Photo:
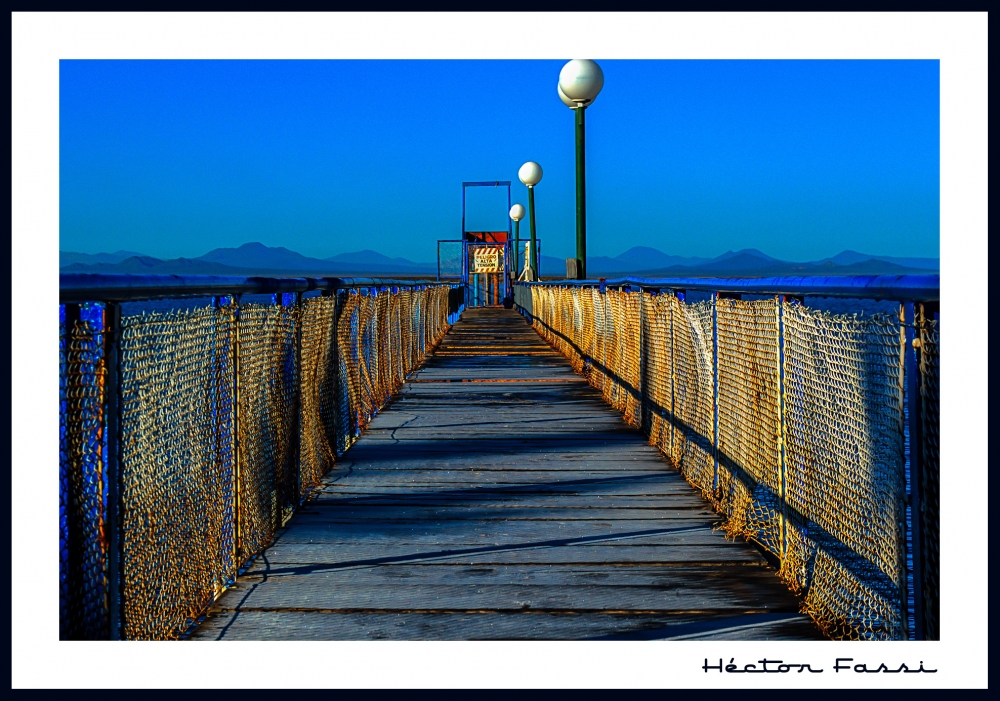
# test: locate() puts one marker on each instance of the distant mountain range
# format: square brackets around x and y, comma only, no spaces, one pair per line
[642,261]
[248,259]
[67,258]
[258,259]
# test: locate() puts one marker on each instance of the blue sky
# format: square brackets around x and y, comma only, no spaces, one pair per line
[800,159]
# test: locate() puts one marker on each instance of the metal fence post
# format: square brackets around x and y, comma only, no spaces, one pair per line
[335,361]
[911,371]
[297,432]
[113,474]
[69,546]
[237,452]
[643,364]
[219,362]
[679,295]
[673,376]
[715,392]
[782,430]
[278,299]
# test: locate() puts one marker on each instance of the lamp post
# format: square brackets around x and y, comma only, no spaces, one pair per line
[531,174]
[517,214]
[580,81]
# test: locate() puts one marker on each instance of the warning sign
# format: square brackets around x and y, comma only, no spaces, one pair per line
[487,259]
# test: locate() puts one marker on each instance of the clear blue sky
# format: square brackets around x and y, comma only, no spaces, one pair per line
[800,159]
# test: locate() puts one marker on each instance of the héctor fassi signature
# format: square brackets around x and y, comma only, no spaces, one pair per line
[767,666]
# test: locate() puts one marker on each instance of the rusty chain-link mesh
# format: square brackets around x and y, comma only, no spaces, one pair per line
[624,389]
[229,415]
[82,480]
[178,467]
[930,393]
[267,395]
[318,410]
[656,356]
[846,487]
[380,340]
[807,453]
[749,447]
[694,393]
[600,335]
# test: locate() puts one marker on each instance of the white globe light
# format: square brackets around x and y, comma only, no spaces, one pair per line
[566,101]
[580,80]
[517,212]
[530,173]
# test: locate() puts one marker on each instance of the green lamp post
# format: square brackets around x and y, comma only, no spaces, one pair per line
[580,81]
[531,174]
[517,214]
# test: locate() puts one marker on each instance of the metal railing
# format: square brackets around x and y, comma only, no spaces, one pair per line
[814,434]
[191,430]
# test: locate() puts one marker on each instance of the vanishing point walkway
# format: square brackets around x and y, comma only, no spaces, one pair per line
[499,497]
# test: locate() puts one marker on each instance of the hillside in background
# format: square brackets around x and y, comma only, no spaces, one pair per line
[254,259]
[852,257]
[749,262]
[68,258]
[258,259]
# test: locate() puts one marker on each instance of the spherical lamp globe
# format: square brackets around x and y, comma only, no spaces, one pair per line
[530,174]
[517,212]
[580,80]
[566,101]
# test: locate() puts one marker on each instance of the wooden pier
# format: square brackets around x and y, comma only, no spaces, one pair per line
[499,497]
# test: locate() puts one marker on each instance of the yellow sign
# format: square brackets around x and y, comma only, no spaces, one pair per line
[487,259]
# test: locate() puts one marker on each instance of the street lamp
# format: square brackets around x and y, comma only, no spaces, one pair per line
[531,174]
[517,214]
[580,81]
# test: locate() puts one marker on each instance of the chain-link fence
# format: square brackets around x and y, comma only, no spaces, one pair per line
[83,546]
[930,392]
[187,437]
[789,420]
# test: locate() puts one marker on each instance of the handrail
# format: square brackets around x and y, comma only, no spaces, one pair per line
[85,287]
[908,288]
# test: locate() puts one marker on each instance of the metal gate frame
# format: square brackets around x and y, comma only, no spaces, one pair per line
[507,288]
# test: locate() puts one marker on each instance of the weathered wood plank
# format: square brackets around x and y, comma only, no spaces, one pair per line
[496,530]
[508,451]
[312,625]
[375,495]
[699,594]
[394,513]
[475,478]
[623,552]
[545,504]
[570,489]
[520,534]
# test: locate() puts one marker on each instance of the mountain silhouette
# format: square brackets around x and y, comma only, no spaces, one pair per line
[849,257]
[369,257]
[257,255]
[71,257]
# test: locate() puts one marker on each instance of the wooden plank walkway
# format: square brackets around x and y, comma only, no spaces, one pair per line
[499,497]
